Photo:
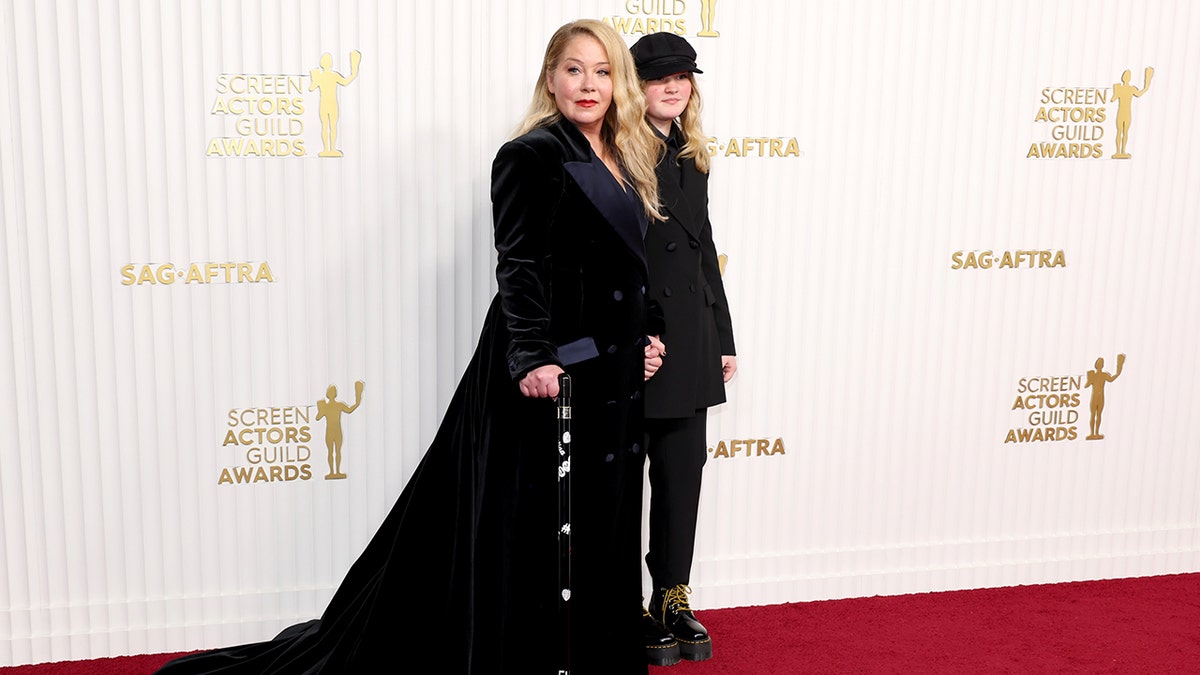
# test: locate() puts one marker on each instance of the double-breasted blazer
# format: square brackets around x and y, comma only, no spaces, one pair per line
[571,265]
[685,284]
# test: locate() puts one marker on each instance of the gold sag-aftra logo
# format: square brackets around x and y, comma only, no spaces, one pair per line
[196,273]
[267,115]
[747,447]
[1051,407]
[642,17]
[754,146]
[273,444]
[1077,122]
[988,259]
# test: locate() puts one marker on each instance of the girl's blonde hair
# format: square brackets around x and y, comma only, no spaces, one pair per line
[695,143]
[624,132]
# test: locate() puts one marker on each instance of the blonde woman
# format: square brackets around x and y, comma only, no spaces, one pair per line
[461,574]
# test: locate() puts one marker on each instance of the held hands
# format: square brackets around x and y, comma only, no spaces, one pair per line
[728,366]
[654,353]
[541,382]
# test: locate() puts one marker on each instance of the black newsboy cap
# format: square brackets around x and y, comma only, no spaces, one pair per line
[659,54]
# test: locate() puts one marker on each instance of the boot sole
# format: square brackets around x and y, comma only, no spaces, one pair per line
[695,651]
[664,656]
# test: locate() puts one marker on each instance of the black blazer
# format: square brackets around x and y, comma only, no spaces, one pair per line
[685,283]
[571,262]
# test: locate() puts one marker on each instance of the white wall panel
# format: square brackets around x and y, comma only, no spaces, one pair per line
[863,447]
[913,365]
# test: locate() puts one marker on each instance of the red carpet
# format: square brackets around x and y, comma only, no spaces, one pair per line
[1143,625]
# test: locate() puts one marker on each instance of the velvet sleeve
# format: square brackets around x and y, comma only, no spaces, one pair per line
[525,194]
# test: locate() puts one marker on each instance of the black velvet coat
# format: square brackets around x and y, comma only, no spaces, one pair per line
[462,574]
[685,282]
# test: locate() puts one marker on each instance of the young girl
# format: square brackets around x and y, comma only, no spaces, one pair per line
[685,282]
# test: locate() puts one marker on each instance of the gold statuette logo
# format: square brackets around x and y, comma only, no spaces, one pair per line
[327,81]
[708,14]
[1096,379]
[1123,94]
[330,409]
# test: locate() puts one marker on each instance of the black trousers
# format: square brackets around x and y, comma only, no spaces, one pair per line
[676,450]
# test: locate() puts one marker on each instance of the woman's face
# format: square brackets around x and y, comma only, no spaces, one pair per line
[666,99]
[581,83]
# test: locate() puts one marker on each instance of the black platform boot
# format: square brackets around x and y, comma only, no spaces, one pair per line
[661,647]
[670,606]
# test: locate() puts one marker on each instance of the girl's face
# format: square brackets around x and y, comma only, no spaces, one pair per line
[666,99]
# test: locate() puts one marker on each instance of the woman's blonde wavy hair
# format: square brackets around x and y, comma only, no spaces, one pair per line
[625,133]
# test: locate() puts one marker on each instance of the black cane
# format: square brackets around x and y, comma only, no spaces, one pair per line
[564,519]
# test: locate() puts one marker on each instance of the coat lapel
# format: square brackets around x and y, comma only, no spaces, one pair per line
[619,207]
[683,197]
[678,200]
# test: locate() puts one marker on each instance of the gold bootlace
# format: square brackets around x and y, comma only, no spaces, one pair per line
[677,598]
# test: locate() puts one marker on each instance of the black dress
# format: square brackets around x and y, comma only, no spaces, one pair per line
[462,572]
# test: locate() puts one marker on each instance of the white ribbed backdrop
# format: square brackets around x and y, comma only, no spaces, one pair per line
[886,376]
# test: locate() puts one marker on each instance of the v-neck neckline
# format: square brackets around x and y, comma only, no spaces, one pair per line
[618,180]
